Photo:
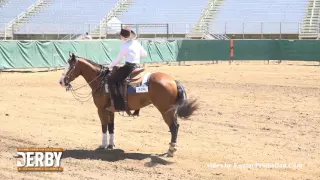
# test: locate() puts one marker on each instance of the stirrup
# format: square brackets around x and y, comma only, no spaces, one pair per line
[111,107]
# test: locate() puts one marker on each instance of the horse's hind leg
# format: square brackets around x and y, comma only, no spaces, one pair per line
[171,120]
[163,94]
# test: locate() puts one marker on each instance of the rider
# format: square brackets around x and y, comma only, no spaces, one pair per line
[132,50]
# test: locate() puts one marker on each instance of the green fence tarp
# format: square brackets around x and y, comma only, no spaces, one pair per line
[255,50]
[40,54]
[160,51]
[306,50]
[303,50]
[203,50]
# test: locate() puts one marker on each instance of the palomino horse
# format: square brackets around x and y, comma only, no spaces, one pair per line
[166,94]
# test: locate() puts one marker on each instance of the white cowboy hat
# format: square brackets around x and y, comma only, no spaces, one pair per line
[127,33]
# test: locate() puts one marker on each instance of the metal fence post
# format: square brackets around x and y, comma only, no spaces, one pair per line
[280,30]
[225,28]
[137,31]
[243,30]
[261,30]
[167,30]
[172,27]
[100,30]
[5,32]
[12,32]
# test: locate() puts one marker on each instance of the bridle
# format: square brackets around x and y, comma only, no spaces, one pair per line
[79,96]
[70,72]
[104,72]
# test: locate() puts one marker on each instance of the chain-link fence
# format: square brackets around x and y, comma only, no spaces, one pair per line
[49,31]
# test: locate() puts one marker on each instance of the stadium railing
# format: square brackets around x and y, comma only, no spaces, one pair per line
[72,31]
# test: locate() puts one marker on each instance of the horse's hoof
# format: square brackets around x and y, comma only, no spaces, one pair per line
[169,154]
[102,147]
[16,156]
[172,149]
[110,147]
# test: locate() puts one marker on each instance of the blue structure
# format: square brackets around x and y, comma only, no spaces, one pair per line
[259,16]
[234,16]
[182,15]
[12,9]
[68,16]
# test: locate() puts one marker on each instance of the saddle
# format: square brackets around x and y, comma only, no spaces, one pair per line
[119,91]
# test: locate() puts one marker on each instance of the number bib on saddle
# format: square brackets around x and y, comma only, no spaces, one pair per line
[142,89]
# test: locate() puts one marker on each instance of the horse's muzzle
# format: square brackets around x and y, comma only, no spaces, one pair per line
[68,87]
[63,82]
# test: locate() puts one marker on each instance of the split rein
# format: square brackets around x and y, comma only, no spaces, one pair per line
[83,97]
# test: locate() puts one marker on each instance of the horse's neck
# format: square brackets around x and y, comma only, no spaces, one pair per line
[90,73]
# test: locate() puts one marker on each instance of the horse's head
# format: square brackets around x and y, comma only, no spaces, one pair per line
[71,71]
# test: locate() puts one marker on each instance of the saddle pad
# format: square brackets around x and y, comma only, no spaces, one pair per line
[143,88]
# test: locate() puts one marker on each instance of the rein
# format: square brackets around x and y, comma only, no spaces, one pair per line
[83,97]
[86,97]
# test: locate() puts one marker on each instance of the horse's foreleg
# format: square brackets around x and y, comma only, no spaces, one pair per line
[111,131]
[105,121]
[136,112]
[104,143]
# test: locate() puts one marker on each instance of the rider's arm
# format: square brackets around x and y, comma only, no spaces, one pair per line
[143,52]
[120,56]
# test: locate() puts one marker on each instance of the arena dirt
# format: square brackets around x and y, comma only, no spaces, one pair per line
[249,113]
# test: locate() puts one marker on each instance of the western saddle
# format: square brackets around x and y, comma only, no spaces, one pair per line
[119,91]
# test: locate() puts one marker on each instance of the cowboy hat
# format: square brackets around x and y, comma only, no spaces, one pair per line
[127,33]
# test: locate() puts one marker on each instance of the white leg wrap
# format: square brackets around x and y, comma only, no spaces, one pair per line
[112,140]
[172,149]
[104,139]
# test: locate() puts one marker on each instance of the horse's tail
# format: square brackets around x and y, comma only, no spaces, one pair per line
[184,107]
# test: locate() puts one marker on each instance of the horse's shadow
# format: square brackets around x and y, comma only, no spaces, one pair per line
[115,155]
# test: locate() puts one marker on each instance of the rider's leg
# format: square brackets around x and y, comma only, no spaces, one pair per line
[118,76]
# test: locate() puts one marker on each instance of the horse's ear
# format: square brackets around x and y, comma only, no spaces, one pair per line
[70,54]
[73,56]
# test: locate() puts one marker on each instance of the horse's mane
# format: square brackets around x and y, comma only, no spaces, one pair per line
[91,62]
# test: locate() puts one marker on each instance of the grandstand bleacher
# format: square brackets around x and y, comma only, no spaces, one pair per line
[259,16]
[65,17]
[182,15]
[12,9]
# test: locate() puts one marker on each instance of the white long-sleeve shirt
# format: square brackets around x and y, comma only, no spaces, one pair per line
[132,51]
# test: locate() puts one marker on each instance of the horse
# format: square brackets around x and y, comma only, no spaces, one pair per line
[165,93]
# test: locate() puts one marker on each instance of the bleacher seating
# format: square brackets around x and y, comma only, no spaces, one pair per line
[181,14]
[66,16]
[233,17]
[248,16]
[12,9]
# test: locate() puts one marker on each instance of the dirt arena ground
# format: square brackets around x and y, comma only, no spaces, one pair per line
[249,113]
